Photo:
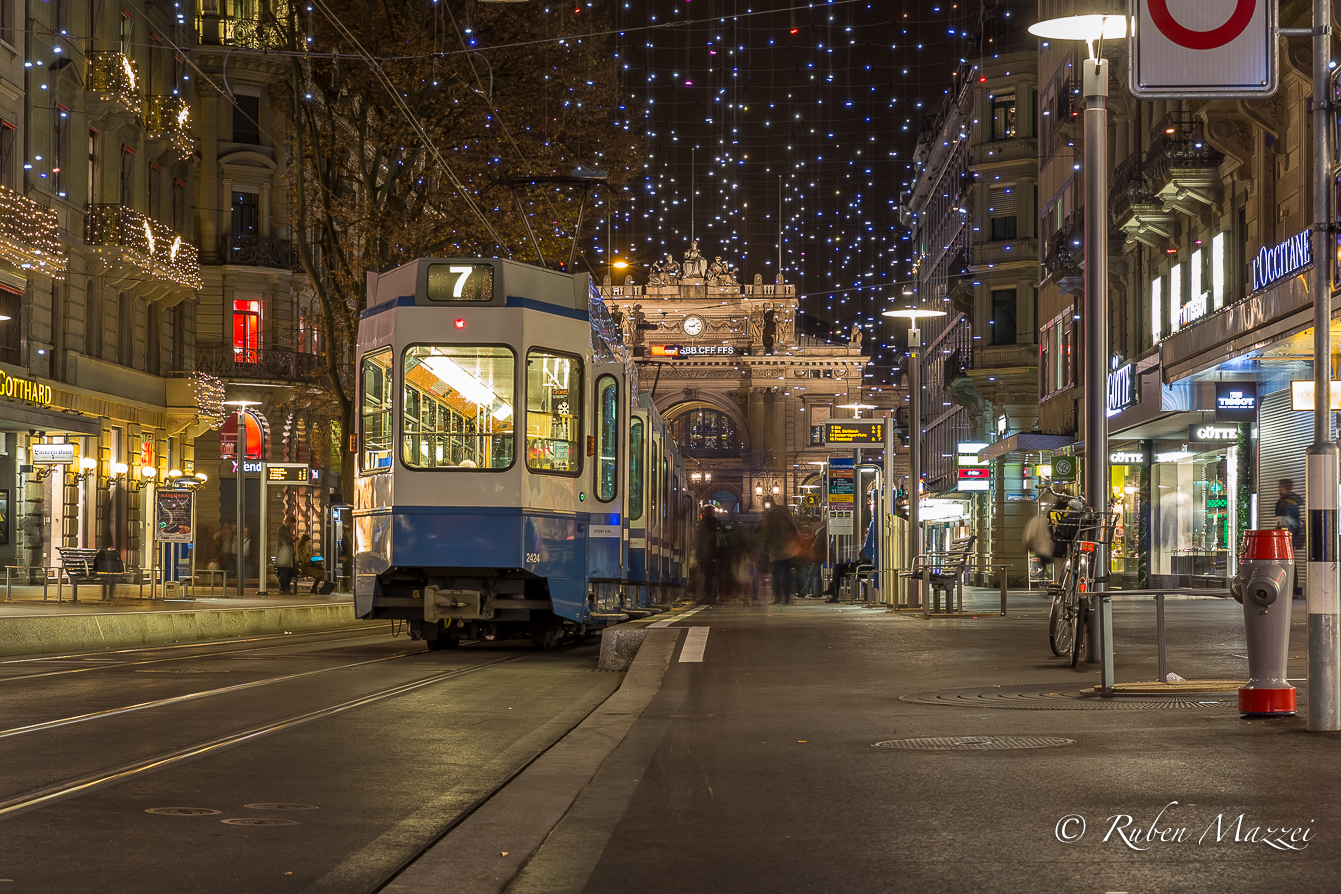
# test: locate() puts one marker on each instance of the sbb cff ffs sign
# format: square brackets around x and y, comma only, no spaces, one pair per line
[1191,48]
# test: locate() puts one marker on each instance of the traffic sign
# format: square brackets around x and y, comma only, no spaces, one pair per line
[1191,48]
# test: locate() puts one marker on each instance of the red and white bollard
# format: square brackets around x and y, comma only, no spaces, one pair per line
[1264,586]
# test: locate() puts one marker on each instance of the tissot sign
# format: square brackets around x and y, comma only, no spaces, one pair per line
[1192,48]
[1235,401]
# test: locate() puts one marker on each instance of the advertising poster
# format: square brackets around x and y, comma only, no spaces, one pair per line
[173,516]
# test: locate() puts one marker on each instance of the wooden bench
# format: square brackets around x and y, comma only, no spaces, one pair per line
[944,571]
[77,565]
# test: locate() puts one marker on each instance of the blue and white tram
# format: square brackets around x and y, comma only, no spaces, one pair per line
[491,453]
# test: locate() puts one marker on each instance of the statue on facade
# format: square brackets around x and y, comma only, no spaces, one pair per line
[637,320]
[665,271]
[770,332]
[756,326]
[695,265]
[778,280]
[854,340]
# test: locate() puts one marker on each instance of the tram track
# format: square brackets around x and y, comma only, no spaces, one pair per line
[109,661]
[99,779]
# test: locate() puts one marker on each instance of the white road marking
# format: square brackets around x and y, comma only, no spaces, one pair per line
[677,617]
[695,641]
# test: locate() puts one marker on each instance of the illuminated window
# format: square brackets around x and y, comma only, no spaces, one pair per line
[553,412]
[246,331]
[705,431]
[607,438]
[458,407]
[637,463]
[375,415]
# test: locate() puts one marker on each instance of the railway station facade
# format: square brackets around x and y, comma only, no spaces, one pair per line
[740,388]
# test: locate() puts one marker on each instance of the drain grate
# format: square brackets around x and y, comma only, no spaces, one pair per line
[1064,697]
[974,743]
[279,806]
[258,821]
[183,811]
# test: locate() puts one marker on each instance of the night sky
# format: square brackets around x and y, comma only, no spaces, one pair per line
[817,106]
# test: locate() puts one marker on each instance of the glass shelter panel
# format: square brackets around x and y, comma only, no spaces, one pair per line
[458,407]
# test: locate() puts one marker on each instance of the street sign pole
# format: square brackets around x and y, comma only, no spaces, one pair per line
[262,566]
[1324,587]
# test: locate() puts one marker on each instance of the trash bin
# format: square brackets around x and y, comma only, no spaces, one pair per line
[1263,585]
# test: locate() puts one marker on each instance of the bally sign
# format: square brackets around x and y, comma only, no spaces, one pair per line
[1235,401]
[1282,262]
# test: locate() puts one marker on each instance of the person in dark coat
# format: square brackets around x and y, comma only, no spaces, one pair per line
[1289,515]
[711,548]
[782,541]
[285,559]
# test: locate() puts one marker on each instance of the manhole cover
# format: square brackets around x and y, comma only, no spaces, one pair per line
[279,806]
[183,811]
[1065,697]
[258,821]
[974,743]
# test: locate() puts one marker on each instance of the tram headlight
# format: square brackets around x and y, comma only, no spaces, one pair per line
[459,323]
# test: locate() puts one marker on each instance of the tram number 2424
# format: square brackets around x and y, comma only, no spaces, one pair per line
[533,558]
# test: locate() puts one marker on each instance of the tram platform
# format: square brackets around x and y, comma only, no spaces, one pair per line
[851,748]
[30,624]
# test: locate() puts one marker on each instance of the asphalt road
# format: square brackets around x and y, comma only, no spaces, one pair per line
[757,769]
[303,763]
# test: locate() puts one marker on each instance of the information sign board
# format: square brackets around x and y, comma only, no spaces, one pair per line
[854,432]
[841,493]
[174,516]
[287,473]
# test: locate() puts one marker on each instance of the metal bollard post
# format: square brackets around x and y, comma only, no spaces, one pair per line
[1163,655]
[1001,569]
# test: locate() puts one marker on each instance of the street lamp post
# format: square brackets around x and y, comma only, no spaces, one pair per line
[241,546]
[912,315]
[1111,24]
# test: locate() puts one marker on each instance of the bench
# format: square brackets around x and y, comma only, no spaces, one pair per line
[78,567]
[944,571]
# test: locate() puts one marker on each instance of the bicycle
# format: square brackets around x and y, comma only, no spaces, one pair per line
[1070,522]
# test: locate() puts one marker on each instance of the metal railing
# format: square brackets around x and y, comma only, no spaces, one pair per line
[112,74]
[278,364]
[1179,142]
[261,32]
[1131,187]
[168,118]
[154,247]
[260,251]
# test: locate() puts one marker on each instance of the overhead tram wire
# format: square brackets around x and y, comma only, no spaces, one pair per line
[413,121]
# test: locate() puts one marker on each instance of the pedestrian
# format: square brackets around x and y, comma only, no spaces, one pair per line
[248,564]
[107,564]
[819,553]
[781,540]
[228,548]
[1290,518]
[712,548]
[284,555]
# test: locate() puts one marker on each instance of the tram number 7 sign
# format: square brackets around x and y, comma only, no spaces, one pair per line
[1195,48]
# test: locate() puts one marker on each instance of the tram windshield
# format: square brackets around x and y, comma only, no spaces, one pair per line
[458,407]
[553,412]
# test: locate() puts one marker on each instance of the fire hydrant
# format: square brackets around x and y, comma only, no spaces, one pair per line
[1263,586]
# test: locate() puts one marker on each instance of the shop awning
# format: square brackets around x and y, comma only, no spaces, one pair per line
[1025,441]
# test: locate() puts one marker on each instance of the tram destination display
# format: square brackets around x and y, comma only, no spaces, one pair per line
[845,433]
[287,473]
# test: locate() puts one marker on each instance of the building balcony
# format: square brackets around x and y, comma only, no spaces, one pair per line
[1006,252]
[1069,108]
[259,32]
[131,248]
[30,235]
[1182,167]
[168,118]
[112,77]
[1136,208]
[259,251]
[1000,152]
[279,365]
[1066,251]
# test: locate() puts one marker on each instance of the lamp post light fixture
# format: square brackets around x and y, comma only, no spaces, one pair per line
[240,538]
[119,473]
[912,315]
[1095,21]
[87,467]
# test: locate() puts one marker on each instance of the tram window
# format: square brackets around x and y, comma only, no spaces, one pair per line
[607,438]
[458,407]
[460,282]
[635,469]
[375,416]
[553,412]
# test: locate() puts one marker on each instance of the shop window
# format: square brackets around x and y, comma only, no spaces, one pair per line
[1003,317]
[553,412]
[458,407]
[637,464]
[375,412]
[1003,116]
[607,438]
[246,119]
[246,331]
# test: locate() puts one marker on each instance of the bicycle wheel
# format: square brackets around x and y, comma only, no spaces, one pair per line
[1078,631]
[1054,621]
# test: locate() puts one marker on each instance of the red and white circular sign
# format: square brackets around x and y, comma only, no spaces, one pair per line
[1211,39]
